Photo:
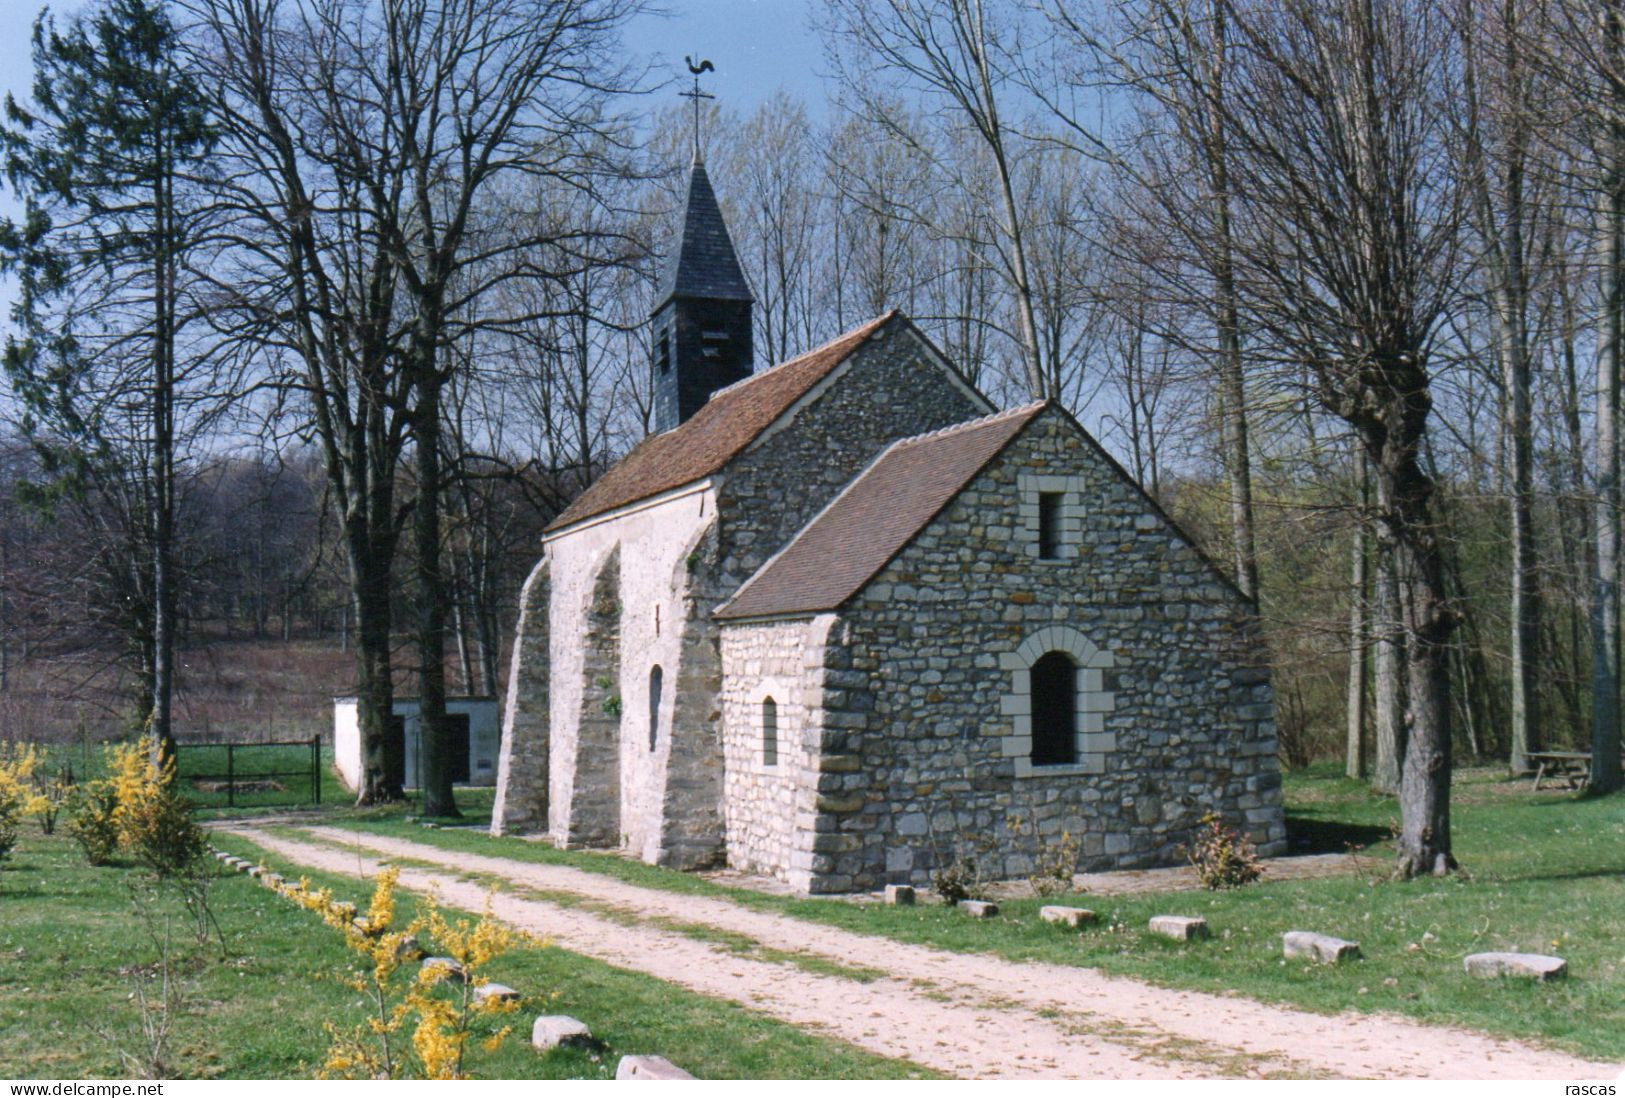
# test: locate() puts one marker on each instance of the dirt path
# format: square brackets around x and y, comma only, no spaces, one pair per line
[963,1014]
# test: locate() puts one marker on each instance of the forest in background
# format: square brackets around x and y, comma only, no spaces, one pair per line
[1339,283]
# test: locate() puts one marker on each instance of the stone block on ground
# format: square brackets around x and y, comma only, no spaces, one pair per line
[454,971]
[275,880]
[1322,948]
[649,1067]
[900,895]
[554,1030]
[408,950]
[502,993]
[1067,916]
[1530,966]
[1183,928]
[256,871]
[979,909]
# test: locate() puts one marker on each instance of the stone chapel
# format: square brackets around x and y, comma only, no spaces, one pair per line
[833,620]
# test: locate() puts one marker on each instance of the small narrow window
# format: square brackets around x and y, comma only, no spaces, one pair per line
[1049,525]
[663,350]
[655,675]
[1055,710]
[770,732]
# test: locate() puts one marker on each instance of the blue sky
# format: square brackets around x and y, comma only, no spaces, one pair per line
[758,47]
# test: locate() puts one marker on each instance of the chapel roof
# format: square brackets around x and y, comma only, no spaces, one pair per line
[717,433]
[879,513]
[703,264]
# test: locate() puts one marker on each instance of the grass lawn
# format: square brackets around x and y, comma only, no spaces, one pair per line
[71,939]
[1545,872]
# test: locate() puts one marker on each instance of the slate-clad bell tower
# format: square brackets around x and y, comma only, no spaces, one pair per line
[701,318]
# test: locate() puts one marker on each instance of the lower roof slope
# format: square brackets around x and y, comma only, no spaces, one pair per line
[874,517]
[715,434]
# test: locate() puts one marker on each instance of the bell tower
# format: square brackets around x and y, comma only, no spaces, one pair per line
[701,318]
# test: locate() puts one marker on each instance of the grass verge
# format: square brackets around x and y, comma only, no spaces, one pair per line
[71,942]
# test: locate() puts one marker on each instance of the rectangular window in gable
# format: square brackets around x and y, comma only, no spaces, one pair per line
[1049,525]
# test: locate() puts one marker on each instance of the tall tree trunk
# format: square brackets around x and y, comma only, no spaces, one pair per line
[459,628]
[163,460]
[1403,499]
[1605,736]
[1388,680]
[1497,143]
[383,756]
[434,730]
[1525,716]
[1354,762]
[1040,384]
[1232,387]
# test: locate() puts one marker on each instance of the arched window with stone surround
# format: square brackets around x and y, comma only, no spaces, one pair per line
[655,685]
[1054,680]
[1053,666]
[770,732]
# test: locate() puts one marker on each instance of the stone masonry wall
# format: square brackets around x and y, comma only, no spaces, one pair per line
[521,795]
[770,808]
[1179,706]
[675,567]
[591,815]
[891,389]
[548,686]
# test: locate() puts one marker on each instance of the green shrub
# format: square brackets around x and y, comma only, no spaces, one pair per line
[163,836]
[959,879]
[1223,857]
[93,821]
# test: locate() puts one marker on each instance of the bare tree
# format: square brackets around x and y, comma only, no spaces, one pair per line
[1348,210]
[1169,61]
[1501,111]
[945,51]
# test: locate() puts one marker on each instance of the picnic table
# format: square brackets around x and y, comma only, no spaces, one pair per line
[1574,766]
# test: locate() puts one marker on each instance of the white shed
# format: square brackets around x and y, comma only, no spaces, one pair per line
[474,752]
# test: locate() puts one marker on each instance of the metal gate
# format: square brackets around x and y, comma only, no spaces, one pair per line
[231,775]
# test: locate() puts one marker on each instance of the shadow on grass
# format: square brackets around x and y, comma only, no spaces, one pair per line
[1613,873]
[1308,835]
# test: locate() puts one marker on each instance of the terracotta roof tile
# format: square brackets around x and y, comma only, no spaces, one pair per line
[875,517]
[715,434]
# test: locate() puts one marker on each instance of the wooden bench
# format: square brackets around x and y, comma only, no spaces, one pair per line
[1574,766]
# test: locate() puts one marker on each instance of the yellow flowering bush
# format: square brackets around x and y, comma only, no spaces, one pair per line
[419,1024]
[17,797]
[90,821]
[154,821]
[137,809]
[52,793]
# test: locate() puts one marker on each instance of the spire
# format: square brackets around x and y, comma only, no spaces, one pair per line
[701,323]
[703,264]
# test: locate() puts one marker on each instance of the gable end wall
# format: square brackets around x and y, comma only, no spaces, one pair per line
[891,388]
[1176,710]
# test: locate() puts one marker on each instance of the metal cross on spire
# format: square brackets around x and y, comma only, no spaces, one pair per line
[696,95]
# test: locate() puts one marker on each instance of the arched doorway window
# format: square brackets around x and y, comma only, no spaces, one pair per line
[770,732]
[655,676]
[1055,710]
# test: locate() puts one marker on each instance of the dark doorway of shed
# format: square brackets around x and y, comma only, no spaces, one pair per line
[457,730]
